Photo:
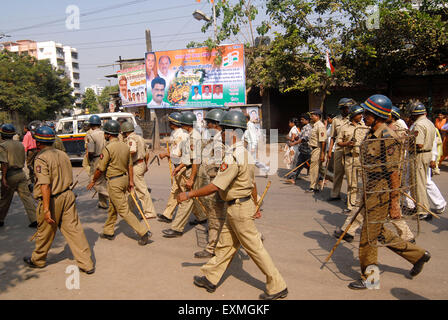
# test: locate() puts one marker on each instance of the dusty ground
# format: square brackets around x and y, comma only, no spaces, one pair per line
[298,228]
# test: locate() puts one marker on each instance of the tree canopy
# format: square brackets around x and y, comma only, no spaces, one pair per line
[32,88]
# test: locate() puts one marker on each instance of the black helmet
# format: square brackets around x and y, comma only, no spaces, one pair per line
[215,115]
[44,134]
[127,127]
[112,127]
[175,117]
[346,102]
[355,110]
[187,118]
[95,120]
[8,129]
[234,119]
[33,125]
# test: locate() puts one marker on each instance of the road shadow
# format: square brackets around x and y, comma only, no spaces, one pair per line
[405,294]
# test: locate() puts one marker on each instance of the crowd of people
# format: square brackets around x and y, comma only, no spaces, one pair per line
[213,178]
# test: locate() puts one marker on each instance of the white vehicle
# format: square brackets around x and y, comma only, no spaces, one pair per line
[72,130]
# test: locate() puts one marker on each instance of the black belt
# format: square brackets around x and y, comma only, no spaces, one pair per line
[93,157]
[231,202]
[114,177]
[423,151]
[13,171]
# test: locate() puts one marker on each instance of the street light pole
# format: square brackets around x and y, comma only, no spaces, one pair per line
[214,20]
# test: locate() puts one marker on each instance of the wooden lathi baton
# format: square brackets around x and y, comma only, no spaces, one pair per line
[262,197]
[295,168]
[140,210]
[342,236]
[420,205]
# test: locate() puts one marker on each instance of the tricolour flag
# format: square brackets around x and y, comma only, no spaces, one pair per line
[330,68]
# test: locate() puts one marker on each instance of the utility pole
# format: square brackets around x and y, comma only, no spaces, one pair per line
[153,116]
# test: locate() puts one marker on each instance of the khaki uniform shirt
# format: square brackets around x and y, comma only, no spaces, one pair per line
[12,152]
[382,156]
[338,122]
[115,158]
[177,140]
[236,176]
[318,134]
[212,154]
[426,133]
[52,167]
[192,149]
[137,146]
[348,132]
[95,141]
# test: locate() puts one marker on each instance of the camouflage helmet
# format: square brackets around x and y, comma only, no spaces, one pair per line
[8,129]
[174,118]
[112,127]
[355,110]
[215,115]
[234,119]
[127,127]
[44,134]
[187,118]
[346,102]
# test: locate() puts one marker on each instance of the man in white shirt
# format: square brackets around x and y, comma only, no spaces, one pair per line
[158,92]
[196,95]
[164,70]
[251,136]
[206,94]
[217,92]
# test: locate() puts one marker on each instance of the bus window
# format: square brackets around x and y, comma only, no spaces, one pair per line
[67,127]
[105,119]
[83,126]
[59,128]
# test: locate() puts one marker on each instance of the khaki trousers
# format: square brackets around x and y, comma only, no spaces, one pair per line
[18,182]
[184,209]
[239,230]
[141,189]
[100,185]
[338,165]
[117,189]
[379,209]
[64,213]
[315,165]
[423,160]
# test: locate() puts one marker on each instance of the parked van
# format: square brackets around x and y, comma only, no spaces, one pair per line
[72,131]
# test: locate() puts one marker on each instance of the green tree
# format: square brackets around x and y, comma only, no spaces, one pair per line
[89,101]
[104,97]
[32,89]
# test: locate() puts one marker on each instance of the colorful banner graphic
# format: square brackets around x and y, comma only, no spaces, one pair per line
[132,84]
[189,78]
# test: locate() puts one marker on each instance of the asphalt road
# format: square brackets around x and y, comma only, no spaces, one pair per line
[297,226]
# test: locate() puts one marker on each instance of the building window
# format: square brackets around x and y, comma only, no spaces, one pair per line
[74,55]
[75,65]
[75,75]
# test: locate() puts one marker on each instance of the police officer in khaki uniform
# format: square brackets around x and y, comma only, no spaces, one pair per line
[191,158]
[426,133]
[116,164]
[56,208]
[12,159]
[212,156]
[235,184]
[317,140]
[349,144]
[137,147]
[177,139]
[95,143]
[383,155]
[58,144]
[339,121]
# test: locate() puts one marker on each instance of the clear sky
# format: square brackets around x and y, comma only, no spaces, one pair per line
[109,28]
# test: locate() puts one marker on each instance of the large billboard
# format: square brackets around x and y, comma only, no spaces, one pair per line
[132,84]
[190,78]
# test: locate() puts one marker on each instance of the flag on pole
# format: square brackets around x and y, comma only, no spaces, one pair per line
[330,68]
